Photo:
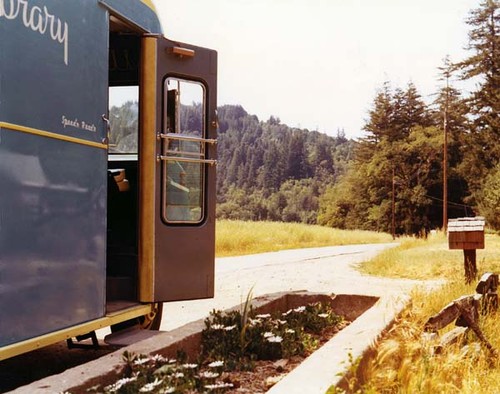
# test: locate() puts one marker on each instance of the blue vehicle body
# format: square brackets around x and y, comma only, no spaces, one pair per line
[54,81]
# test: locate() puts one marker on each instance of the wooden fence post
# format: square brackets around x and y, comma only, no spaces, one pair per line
[470,265]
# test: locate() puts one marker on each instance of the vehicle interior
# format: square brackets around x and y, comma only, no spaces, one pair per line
[123,163]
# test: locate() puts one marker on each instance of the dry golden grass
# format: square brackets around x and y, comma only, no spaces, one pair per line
[430,259]
[404,361]
[235,238]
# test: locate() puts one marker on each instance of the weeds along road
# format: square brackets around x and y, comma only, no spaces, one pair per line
[330,269]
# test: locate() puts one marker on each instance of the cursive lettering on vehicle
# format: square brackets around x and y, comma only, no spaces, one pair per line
[39,20]
[78,124]
[89,127]
[70,122]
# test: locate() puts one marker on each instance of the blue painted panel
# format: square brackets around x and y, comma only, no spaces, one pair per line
[53,77]
[54,66]
[52,226]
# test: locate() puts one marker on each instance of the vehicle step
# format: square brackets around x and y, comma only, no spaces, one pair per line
[129,336]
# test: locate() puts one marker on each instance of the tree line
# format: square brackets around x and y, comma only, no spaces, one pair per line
[390,180]
[398,167]
[269,171]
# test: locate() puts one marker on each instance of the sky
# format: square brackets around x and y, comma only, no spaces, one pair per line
[318,64]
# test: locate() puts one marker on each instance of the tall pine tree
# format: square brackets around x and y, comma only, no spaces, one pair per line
[483,66]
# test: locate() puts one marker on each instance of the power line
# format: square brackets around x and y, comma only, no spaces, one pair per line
[449,202]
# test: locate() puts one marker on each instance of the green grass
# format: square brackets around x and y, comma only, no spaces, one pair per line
[235,238]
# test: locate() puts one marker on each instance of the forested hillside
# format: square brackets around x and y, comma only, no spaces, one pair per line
[269,171]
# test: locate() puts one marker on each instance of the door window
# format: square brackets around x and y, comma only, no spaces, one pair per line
[183,152]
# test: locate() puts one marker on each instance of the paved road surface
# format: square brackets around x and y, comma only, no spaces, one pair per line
[328,269]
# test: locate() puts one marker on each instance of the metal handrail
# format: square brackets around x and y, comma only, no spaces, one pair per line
[186,160]
[184,153]
[181,137]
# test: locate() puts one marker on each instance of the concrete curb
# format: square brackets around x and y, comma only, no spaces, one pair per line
[329,365]
[315,375]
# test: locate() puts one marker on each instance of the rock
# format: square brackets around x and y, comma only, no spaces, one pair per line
[280,365]
[272,380]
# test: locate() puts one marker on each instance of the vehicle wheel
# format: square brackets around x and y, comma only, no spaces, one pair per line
[152,320]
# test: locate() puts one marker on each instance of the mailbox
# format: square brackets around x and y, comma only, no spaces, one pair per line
[466,233]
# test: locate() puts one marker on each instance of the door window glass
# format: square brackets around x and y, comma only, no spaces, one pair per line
[183,150]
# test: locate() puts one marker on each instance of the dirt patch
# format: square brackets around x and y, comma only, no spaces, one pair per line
[267,373]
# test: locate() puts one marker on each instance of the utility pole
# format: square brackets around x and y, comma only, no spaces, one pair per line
[445,154]
[393,224]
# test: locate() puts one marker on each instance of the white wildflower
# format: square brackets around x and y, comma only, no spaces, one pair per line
[282,322]
[275,339]
[268,334]
[158,358]
[263,316]
[300,309]
[189,366]
[324,315]
[120,383]
[289,331]
[217,327]
[169,390]
[286,313]
[217,386]
[150,386]
[216,364]
[254,322]
[230,328]
[178,375]
[141,361]
[172,361]
[209,375]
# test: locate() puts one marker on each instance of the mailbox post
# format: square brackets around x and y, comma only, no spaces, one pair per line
[467,234]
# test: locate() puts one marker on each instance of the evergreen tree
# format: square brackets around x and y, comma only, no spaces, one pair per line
[402,149]
[275,171]
[489,198]
[414,112]
[482,66]
[296,165]
[381,116]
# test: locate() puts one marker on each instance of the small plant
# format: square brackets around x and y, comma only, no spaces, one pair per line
[239,341]
[157,374]
[230,341]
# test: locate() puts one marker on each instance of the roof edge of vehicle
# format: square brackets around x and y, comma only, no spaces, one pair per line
[142,13]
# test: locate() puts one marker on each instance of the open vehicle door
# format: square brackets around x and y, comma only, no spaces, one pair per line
[177,148]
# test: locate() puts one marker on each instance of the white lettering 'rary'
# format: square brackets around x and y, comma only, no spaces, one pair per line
[38,20]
